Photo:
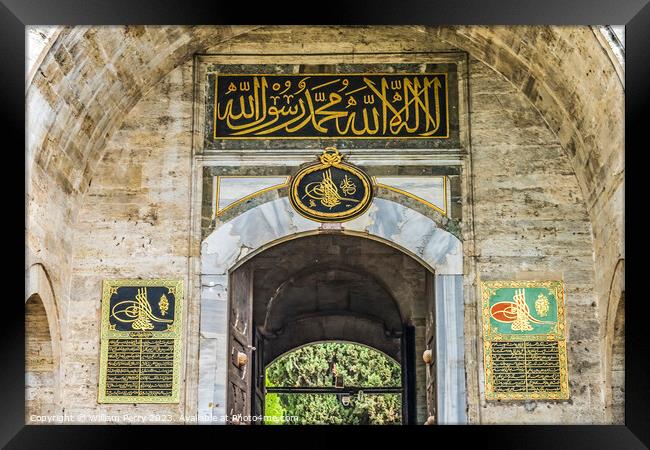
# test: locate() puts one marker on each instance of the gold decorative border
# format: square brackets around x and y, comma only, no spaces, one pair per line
[217,183]
[488,288]
[331,217]
[413,196]
[218,74]
[175,333]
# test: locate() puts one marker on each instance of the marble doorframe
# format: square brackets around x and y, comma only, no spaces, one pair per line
[233,242]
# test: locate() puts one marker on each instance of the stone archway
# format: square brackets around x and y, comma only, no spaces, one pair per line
[83,67]
[614,363]
[334,287]
[269,224]
[42,346]
[66,141]
[39,361]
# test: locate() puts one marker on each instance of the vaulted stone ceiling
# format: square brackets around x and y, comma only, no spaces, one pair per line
[341,287]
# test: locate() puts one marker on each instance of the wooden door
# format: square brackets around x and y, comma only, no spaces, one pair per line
[408,375]
[430,345]
[240,344]
[259,376]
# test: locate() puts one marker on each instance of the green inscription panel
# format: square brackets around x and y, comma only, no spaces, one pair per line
[524,340]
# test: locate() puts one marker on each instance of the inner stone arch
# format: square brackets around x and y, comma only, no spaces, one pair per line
[330,287]
[338,282]
[337,285]
[258,227]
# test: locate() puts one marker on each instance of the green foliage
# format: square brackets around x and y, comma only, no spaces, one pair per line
[311,366]
[321,409]
[273,411]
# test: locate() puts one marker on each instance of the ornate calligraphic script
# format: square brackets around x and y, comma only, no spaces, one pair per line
[140,341]
[331,190]
[521,367]
[370,106]
[140,368]
[524,340]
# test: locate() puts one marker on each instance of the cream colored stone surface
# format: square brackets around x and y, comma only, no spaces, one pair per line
[110,182]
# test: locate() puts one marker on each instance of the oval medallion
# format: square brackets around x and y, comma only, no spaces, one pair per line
[331,190]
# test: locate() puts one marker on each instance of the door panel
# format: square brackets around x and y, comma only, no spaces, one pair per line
[408,375]
[430,334]
[258,376]
[240,344]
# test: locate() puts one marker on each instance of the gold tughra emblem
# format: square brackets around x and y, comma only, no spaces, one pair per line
[521,322]
[331,190]
[517,312]
[138,312]
[327,193]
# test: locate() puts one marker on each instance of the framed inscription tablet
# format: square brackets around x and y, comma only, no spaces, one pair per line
[349,104]
[337,105]
[524,340]
[140,341]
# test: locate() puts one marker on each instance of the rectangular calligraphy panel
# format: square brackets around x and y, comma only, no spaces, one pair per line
[140,367]
[140,341]
[527,369]
[343,105]
[524,343]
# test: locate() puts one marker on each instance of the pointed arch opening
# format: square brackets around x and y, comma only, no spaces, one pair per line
[39,360]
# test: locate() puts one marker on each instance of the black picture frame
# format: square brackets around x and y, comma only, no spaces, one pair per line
[635,14]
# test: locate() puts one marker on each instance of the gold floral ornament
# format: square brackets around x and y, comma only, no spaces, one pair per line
[163,305]
[541,305]
[331,157]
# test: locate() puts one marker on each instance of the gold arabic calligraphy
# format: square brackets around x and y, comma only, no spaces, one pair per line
[137,312]
[327,193]
[517,312]
[386,106]
[140,367]
[529,366]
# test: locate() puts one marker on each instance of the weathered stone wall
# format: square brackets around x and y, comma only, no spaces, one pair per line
[78,96]
[570,77]
[134,223]
[530,215]
[530,222]
[617,368]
